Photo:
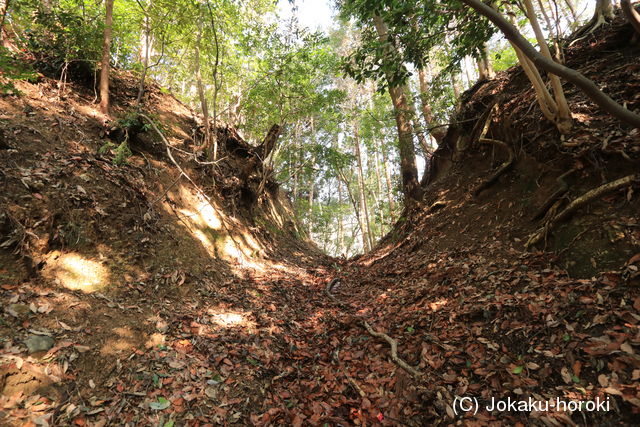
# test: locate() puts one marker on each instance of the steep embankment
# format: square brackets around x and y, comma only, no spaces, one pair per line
[475,312]
[113,265]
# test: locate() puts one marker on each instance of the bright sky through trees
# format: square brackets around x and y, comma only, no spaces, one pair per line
[314,14]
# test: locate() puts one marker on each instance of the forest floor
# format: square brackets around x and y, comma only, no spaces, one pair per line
[135,317]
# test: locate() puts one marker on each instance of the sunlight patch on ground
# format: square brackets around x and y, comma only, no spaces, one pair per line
[75,272]
[197,210]
[122,341]
[231,319]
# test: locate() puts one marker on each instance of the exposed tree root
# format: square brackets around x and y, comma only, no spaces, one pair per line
[503,167]
[392,343]
[580,201]
[562,189]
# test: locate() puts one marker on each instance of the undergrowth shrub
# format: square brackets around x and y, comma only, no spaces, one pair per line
[63,41]
[11,69]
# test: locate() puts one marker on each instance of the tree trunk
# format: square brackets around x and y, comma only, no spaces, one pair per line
[415,122]
[312,182]
[604,8]
[573,76]
[572,10]
[146,51]
[468,67]
[4,7]
[564,122]
[354,203]
[201,95]
[408,169]
[485,69]
[457,90]
[602,13]
[106,55]
[364,209]
[387,177]
[340,221]
[427,113]
[378,194]
[632,14]
[545,100]
[296,136]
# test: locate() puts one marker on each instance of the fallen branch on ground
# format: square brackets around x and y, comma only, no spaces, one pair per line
[580,201]
[392,343]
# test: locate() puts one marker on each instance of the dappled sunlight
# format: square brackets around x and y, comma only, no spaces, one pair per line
[89,110]
[228,319]
[205,222]
[198,210]
[75,272]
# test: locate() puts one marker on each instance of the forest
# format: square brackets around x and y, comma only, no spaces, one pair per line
[319,212]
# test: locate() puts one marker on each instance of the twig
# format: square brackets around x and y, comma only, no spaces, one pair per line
[165,191]
[394,349]
[392,343]
[354,384]
[580,234]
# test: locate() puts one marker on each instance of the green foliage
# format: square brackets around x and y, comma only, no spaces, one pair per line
[416,29]
[106,148]
[123,152]
[12,68]
[504,58]
[62,36]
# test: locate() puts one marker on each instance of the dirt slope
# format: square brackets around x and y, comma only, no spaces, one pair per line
[476,313]
[156,306]
[116,261]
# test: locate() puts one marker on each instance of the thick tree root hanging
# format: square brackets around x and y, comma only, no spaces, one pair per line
[580,201]
[562,189]
[392,343]
[503,167]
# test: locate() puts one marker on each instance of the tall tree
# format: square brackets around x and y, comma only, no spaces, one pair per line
[204,107]
[408,169]
[485,70]
[4,7]
[106,57]
[145,48]
[367,241]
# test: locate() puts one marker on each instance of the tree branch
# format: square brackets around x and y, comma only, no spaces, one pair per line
[573,76]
